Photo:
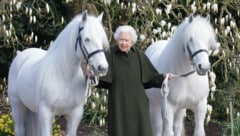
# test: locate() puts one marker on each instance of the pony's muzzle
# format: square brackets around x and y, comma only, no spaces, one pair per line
[203,69]
[102,70]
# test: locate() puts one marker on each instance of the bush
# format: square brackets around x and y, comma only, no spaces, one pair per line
[7,126]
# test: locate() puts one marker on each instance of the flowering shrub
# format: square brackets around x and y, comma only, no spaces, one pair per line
[7,126]
[25,24]
[96,107]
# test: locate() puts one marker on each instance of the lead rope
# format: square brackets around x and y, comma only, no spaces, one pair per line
[165,89]
[164,92]
[91,80]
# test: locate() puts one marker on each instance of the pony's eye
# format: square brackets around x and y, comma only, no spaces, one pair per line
[87,40]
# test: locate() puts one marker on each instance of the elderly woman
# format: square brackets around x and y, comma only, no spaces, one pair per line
[129,73]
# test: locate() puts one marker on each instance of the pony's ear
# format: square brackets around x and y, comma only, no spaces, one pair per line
[208,17]
[84,16]
[100,17]
[190,18]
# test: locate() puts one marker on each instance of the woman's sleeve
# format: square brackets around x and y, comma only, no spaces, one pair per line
[105,81]
[150,76]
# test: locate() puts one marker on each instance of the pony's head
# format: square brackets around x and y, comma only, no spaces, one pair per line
[199,42]
[90,43]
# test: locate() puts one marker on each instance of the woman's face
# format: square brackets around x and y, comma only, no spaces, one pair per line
[125,42]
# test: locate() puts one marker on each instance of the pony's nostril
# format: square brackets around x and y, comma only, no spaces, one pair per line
[102,69]
[200,66]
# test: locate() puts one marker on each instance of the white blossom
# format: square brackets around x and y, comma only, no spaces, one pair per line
[62,20]
[212,76]
[122,5]
[14,2]
[47,8]
[208,118]
[204,6]
[97,95]
[158,11]
[34,19]
[226,32]
[142,37]
[30,11]
[168,9]
[18,5]
[7,100]
[30,19]
[169,25]
[222,21]
[152,40]
[164,34]
[3,17]
[232,24]
[104,98]
[133,7]
[173,29]
[155,31]
[11,26]
[227,111]
[4,27]
[215,20]
[208,5]
[93,105]
[209,109]
[215,7]
[26,10]
[193,7]
[213,88]
[35,38]
[100,122]
[107,2]
[237,70]
[163,23]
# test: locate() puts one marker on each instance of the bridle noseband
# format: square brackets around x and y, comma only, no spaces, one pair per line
[192,55]
[86,55]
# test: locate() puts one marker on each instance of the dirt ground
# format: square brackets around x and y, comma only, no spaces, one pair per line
[212,129]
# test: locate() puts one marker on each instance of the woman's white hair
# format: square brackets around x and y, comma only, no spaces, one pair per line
[128,29]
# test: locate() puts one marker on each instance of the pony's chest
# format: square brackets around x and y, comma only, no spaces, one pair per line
[65,94]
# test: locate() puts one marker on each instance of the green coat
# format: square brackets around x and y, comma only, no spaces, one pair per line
[128,105]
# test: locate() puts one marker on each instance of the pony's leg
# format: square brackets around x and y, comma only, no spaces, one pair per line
[45,117]
[18,112]
[156,118]
[74,119]
[199,117]
[167,116]
[178,126]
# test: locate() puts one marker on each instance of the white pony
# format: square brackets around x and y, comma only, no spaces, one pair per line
[43,84]
[186,52]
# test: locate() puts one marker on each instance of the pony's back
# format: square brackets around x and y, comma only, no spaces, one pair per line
[29,55]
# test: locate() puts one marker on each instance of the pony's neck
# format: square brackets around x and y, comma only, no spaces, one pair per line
[63,54]
[178,60]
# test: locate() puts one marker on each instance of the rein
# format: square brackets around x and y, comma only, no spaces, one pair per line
[91,79]
[86,55]
[184,75]
[195,53]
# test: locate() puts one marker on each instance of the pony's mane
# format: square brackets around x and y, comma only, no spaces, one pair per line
[62,50]
[199,27]
[70,32]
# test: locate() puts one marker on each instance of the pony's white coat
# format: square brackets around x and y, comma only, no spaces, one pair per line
[194,34]
[43,84]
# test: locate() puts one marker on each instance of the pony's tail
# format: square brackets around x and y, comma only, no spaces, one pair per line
[31,124]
